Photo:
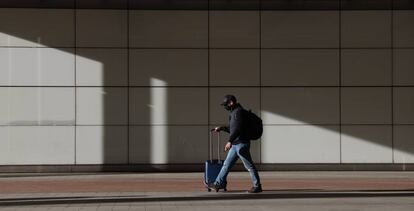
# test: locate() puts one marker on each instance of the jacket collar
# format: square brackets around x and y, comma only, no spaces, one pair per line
[236,107]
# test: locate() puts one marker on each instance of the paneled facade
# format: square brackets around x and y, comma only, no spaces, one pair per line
[140,82]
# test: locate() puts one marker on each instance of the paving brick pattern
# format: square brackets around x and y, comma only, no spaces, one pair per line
[185,191]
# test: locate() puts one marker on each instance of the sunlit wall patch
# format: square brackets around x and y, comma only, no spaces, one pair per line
[159,119]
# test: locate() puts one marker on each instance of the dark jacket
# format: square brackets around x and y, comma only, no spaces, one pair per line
[237,125]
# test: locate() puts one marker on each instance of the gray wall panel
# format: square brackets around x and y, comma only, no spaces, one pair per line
[104,85]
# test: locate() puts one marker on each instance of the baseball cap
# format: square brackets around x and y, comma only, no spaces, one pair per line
[227,99]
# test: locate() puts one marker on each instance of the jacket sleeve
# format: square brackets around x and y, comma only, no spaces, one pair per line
[236,126]
[225,129]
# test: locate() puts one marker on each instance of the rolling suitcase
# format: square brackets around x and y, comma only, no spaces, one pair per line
[212,167]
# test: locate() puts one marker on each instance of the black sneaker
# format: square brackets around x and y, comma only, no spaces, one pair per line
[257,189]
[217,187]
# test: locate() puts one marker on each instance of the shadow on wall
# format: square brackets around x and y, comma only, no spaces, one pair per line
[128,113]
[115,124]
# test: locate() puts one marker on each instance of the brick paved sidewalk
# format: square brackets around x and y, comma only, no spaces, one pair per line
[185,191]
[193,182]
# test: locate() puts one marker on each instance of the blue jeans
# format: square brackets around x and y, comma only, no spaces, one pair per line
[236,151]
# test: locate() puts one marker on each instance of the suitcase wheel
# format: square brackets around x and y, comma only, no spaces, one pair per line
[208,189]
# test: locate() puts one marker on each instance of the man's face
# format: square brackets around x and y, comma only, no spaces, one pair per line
[229,105]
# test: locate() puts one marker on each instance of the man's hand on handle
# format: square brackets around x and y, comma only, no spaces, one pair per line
[228,144]
[216,129]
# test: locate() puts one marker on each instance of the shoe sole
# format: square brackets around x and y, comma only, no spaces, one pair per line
[218,189]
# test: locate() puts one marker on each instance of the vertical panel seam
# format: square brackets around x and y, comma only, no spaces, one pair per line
[260,74]
[392,81]
[340,81]
[208,74]
[75,79]
[128,87]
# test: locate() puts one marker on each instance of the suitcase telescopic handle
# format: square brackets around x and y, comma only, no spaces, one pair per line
[211,145]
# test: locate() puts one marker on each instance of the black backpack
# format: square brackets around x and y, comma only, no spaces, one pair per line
[254,125]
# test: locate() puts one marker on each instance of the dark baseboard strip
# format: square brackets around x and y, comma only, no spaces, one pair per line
[199,168]
[337,167]
[52,4]
[213,4]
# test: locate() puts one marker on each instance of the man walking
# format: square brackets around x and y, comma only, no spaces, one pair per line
[238,145]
